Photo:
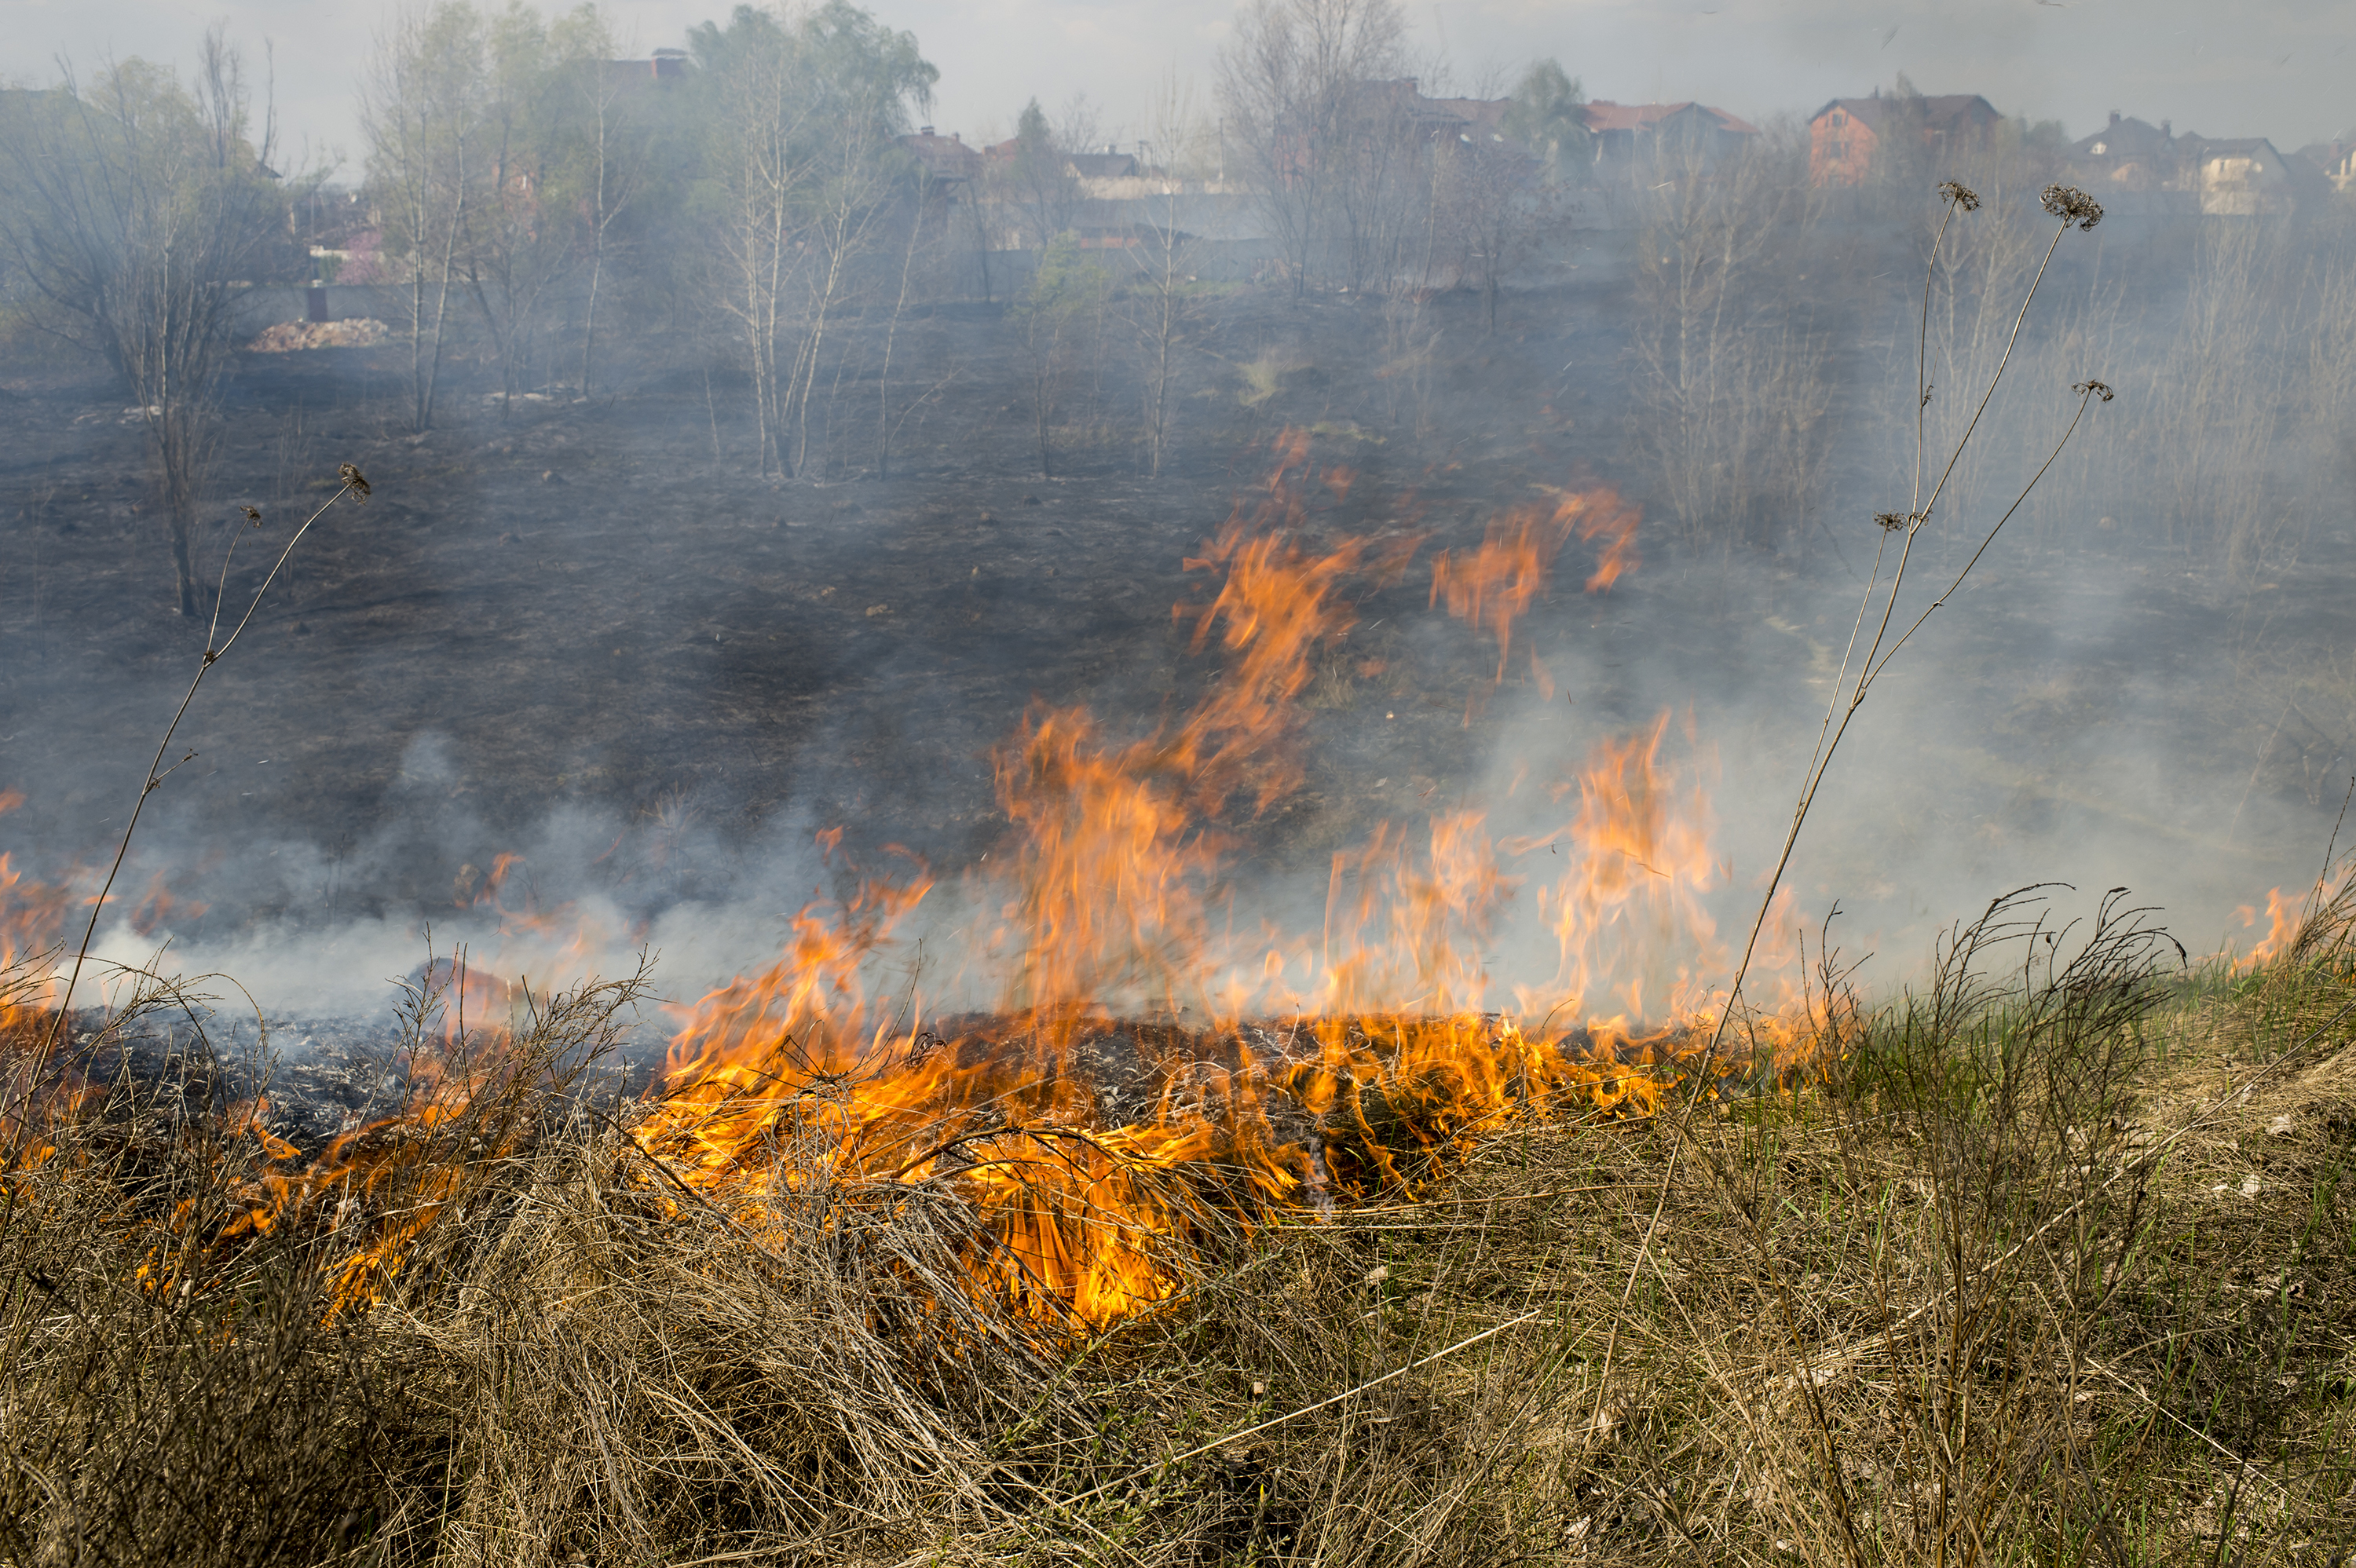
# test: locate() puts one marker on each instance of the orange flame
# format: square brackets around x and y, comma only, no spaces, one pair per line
[1156,1070]
[2282,922]
[1496,585]
[1107,890]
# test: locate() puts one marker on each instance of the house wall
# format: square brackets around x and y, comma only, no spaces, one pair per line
[2244,185]
[1841,148]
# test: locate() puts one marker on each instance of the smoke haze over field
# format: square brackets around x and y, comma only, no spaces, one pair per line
[2278,69]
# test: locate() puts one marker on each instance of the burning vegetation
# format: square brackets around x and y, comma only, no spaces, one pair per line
[1155,1070]
[1177,1235]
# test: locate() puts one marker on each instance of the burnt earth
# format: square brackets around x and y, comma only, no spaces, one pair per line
[564,604]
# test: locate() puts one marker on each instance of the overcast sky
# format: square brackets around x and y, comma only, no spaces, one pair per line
[2281,68]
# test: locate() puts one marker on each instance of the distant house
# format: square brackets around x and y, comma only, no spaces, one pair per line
[2246,178]
[1631,135]
[947,159]
[2135,164]
[2128,158]
[1431,120]
[1110,163]
[1849,135]
[2335,158]
[667,65]
[1624,135]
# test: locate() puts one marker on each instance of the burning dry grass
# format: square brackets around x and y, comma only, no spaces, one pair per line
[2055,1265]
[519,1338]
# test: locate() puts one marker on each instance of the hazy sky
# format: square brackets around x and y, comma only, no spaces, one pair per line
[2281,68]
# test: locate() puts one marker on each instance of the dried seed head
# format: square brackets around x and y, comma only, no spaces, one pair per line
[2070,205]
[1963,196]
[253,515]
[2094,389]
[1890,521]
[351,476]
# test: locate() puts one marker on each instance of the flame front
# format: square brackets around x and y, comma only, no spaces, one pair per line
[1153,1066]
[1152,1070]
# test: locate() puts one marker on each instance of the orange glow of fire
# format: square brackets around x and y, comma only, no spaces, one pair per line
[1491,587]
[2282,915]
[35,1092]
[424,1158]
[1383,1059]
[1253,1069]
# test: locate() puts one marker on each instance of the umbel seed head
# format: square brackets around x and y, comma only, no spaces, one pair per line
[351,476]
[1890,521]
[2070,205]
[2094,389]
[1963,196]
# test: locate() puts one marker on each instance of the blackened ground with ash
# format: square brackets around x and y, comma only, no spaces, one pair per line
[566,603]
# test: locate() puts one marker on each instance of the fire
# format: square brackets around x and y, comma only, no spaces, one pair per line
[34,1091]
[1155,1068]
[1312,1069]
[2282,916]
[1496,585]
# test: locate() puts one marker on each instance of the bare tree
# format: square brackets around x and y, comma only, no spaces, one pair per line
[135,211]
[845,215]
[1038,179]
[422,108]
[1054,317]
[511,248]
[1162,303]
[1383,182]
[922,195]
[804,116]
[1728,387]
[1494,200]
[610,148]
[1289,82]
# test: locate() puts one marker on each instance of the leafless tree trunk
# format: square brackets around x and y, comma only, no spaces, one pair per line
[1289,82]
[1729,390]
[883,426]
[134,210]
[1162,284]
[617,152]
[420,112]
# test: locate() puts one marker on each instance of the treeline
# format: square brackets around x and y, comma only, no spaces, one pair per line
[753,192]
[758,190]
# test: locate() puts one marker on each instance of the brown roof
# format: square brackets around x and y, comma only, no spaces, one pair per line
[1602,115]
[944,157]
[1942,111]
[2125,137]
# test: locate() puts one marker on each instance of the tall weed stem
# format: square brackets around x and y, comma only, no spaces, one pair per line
[353,483]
